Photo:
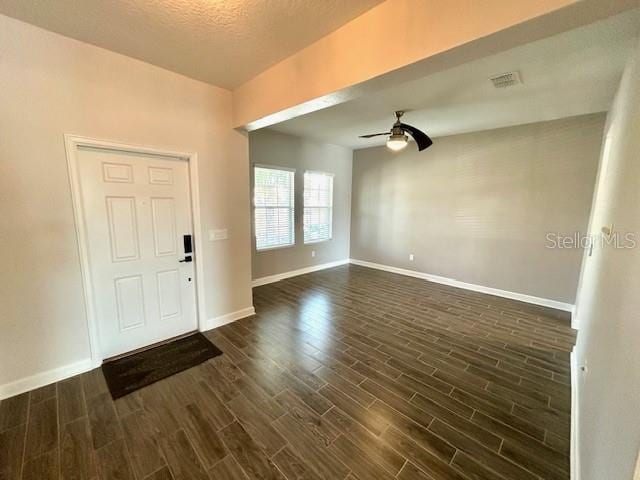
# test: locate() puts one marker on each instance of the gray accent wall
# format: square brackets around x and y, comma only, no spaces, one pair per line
[477,207]
[267,147]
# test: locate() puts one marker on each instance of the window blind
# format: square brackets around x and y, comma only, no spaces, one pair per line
[273,207]
[318,206]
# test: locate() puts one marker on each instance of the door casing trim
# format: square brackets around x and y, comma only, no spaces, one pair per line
[72,143]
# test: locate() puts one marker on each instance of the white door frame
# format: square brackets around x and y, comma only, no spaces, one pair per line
[72,143]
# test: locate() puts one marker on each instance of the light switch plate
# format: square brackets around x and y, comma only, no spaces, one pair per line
[218,234]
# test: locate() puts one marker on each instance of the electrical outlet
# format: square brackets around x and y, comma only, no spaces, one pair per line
[313,253]
[584,368]
[411,257]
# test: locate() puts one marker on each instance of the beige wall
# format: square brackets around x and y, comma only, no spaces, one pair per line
[608,310]
[273,148]
[51,85]
[328,69]
[359,57]
[477,207]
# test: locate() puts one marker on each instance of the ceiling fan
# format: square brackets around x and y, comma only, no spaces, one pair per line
[398,135]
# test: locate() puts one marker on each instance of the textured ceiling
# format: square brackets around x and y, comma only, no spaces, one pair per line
[574,73]
[222,42]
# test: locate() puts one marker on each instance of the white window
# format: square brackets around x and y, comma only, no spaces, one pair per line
[318,206]
[273,207]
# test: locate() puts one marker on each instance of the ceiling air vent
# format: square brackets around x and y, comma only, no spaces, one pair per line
[505,80]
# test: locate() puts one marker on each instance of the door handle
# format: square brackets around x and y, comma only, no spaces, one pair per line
[186,259]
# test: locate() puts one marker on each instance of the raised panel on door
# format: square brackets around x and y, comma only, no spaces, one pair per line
[123,228]
[117,172]
[169,294]
[163,218]
[160,176]
[129,293]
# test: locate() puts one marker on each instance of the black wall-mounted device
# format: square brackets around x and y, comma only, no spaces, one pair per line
[188,247]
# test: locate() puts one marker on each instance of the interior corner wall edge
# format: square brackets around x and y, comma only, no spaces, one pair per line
[608,389]
[269,147]
[478,207]
[51,85]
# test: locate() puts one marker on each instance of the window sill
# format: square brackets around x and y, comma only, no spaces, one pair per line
[318,241]
[278,247]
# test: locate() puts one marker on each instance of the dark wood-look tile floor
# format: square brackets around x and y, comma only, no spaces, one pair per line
[348,373]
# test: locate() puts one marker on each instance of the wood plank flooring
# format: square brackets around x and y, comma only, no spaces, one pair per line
[348,373]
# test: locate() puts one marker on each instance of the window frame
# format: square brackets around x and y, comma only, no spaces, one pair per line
[292,208]
[329,208]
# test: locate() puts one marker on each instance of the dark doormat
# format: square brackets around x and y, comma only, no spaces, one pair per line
[128,374]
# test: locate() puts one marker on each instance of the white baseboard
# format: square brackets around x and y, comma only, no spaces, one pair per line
[45,378]
[575,437]
[545,302]
[57,374]
[294,273]
[227,318]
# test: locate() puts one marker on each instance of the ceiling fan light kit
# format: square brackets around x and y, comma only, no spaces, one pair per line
[397,142]
[398,138]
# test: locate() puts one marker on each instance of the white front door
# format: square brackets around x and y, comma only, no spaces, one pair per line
[137,212]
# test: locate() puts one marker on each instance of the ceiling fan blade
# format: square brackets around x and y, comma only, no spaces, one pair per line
[421,138]
[373,135]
